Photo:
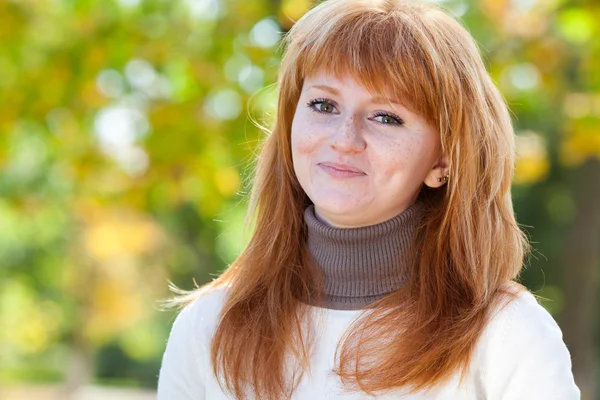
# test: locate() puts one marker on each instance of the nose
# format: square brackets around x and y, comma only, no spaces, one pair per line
[347,138]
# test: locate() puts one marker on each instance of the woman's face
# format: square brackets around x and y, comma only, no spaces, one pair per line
[360,160]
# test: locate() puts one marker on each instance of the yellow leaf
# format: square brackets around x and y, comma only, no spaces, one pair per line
[120,234]
[532,164]
[227,181]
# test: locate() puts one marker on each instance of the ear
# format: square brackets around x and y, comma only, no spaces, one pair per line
[439,171]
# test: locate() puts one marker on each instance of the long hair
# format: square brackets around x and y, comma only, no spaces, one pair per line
[470,248]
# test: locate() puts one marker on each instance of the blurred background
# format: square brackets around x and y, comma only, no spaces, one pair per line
[126,141]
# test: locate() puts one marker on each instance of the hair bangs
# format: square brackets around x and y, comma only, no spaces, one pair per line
[386,54]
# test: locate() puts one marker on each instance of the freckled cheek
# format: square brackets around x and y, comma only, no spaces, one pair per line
[395,154]
[305,137]
[411,149]
[396,158]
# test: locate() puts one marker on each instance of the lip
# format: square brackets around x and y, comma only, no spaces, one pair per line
[341,170]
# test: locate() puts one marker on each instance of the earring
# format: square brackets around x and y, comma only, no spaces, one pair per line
[445,179]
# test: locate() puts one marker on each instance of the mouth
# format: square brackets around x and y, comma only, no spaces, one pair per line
[341,169]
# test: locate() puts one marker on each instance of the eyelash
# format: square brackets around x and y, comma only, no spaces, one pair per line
[311,105]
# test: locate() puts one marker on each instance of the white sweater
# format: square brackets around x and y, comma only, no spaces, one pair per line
[521,355]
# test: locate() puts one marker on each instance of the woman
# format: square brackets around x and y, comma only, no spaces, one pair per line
[385,246]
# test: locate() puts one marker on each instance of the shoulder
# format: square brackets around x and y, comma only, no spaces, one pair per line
[194,325]
[519,316]
[186,361]
[523,344]
[201,314]
[520,321]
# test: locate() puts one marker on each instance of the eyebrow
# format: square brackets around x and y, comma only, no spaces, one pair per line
[332,90]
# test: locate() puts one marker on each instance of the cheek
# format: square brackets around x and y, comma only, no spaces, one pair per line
[400,153]
[305,137]
[301,149]
[407,157]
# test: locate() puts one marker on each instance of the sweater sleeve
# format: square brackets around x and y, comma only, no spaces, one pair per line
[181,372]
[530,360]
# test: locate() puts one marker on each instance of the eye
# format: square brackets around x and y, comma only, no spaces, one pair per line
[322,106]
[386,118]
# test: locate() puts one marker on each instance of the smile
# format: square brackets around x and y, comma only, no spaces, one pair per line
[340,170]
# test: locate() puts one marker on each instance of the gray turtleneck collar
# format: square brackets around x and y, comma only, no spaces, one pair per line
[362,265]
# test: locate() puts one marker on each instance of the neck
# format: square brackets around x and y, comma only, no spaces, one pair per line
[362,265]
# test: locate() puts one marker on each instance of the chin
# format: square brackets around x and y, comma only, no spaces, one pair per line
[339,211]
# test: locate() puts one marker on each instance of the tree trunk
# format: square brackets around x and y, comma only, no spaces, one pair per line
[581,259]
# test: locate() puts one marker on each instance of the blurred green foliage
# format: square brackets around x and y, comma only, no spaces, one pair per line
[126,141]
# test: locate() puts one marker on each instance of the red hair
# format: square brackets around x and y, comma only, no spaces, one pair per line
[470,248]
